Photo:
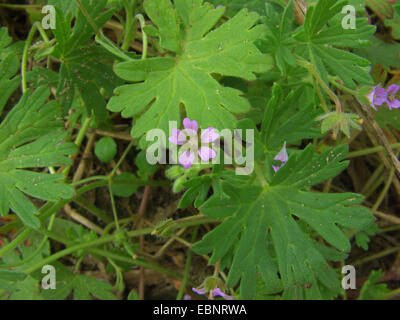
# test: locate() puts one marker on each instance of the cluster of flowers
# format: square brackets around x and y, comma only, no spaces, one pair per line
[378,96]
[189,139]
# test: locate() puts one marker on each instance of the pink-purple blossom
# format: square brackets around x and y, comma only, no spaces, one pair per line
[282,156]
[391,100]
[377,96]
[217,292]
[189,140]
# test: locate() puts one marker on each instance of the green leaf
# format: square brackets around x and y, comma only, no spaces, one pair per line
[234,6]
[362,237]
[106,149]
[289,117]
[394,24]
[12,275]
[85,68]
[339,121]
[32,137]
[9,65]
[125,185]
[381,52]
[145,170]
[83,287]
[320,41]
[371,290]
[185,75]
[263,226]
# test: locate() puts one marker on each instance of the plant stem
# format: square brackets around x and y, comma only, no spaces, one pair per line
[45,213]
[85,245]
[35,26]
[383,192]
[368,151]
[260,175]
[144,35]
[79,140]
[130,25]
[187,266]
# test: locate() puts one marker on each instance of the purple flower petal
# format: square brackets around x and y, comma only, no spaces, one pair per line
[188,124]
[217,292]
[187,297]
[209,135]
[393,88]
[393,104]
[200,291]
[207,153]
[380,96]
[177,137]
[377,96]
[281,156]
[186,159]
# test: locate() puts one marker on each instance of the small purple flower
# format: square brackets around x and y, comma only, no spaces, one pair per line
[190,145]
[391,101]
[282,156]
[377,96]
[217,292]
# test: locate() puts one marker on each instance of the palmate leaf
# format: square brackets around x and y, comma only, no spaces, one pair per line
[31,136]
[318,43]
[185,75]
[264,227]
[85,68]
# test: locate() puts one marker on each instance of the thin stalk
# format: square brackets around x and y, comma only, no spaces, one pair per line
[85,245]
[187,266]
[383,192]
[130,25]
[144,35]
[369,151]
[45,213]
[79,139]
[35,26]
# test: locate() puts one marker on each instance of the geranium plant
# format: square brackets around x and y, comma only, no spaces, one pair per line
[203,140]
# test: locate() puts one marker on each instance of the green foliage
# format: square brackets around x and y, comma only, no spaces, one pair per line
[9,65]
[317,42]
[84,68]
[363,236]
[288,117]
[106,149]
[125,185]
[31,136]
[82,286]
[270,240]
[184,76]
[371,290]
[339,122]
[243,65]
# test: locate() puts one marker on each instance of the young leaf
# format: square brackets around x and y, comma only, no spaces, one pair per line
[106,149]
